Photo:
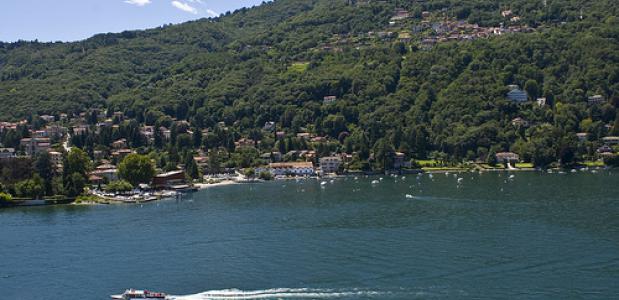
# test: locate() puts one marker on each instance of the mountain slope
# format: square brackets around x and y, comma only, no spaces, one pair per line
[278,61]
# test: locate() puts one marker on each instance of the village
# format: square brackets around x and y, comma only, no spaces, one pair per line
[426,30]
[55,135]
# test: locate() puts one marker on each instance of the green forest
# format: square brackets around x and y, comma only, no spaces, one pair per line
[277,62]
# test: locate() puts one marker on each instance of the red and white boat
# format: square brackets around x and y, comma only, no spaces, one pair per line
[132,294]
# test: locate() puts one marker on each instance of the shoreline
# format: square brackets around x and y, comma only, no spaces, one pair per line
[97,199]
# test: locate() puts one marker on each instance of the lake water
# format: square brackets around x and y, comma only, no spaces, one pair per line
[541,236]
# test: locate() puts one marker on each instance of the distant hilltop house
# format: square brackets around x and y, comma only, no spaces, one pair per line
[517,95]
[80,129]
[34,146]
[596,99]
[400,14]
[506,13]
[48,118]
[405,37]
[582,136]
[269,126]
[542,102]
[329,99]
[119,144]
[507,157]
[611,140]
[304,135]
[520,122]
[245,143]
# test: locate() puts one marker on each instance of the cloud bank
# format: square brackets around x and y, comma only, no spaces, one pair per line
[185,7]
[138,2]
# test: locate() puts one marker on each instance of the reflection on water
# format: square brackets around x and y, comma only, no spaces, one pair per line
[443,236]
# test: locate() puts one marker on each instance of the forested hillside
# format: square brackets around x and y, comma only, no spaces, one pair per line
[401,77]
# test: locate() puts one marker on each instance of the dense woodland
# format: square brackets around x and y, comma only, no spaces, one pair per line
[268,63]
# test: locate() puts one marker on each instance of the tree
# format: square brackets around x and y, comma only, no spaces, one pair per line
[118,186]
[214,164]
[249,172]
[616,126]
[43,167]
[532,88]
[265,175]
[136,169]
[5,198]
[31,188]
[491,158]
[191,167]
[77,161]
[75,184]
[612,161]
[197,137]
[76,166]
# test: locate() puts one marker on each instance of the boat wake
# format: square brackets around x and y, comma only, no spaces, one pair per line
[281,293]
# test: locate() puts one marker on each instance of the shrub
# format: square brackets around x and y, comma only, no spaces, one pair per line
[266,176]
[118,186]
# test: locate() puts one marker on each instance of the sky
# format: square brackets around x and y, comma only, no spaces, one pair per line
[73,20]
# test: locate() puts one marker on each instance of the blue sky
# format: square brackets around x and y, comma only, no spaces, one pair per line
[71,20]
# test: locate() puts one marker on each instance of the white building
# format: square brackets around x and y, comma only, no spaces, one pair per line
[330,164]
[597,99]
[7,153]
[292,169]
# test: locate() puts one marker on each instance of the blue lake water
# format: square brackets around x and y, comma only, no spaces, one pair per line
[540,236]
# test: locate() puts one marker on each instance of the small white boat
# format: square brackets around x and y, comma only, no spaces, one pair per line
[132,294]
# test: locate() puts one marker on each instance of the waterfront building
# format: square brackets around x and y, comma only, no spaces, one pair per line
[6,153]
[507,157]
[330,164]
[292,169]
[169,180]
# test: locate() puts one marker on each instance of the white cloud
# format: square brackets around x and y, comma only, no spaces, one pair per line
[212,13]
[138,2]
[185,7]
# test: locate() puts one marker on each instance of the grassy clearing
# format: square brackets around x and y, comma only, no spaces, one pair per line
[299,67]
[429,163]
[594,164]
[524,165]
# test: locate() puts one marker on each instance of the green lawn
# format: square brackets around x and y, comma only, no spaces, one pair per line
[593,164]
[299,67]
[524,165]
[427,163]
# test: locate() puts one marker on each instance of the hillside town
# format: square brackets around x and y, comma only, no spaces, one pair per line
[425,30]
[109,138]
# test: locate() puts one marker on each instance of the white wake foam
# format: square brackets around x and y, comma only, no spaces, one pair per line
[280,293]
